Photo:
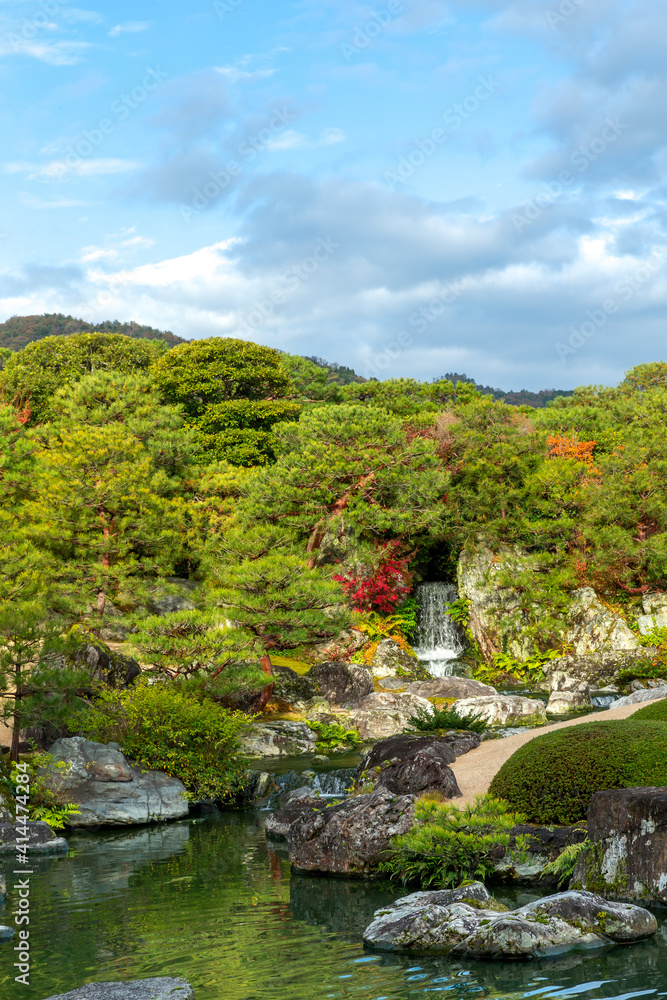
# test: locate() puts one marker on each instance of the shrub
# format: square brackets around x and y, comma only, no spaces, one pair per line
[331,736]
[553,777]
[170,727]
[653,713]
[448,844]
[42,802]
[446,718]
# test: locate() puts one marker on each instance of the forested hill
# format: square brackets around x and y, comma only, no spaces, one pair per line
[18,331]
[522,397]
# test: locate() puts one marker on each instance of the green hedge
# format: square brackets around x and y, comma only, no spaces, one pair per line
[653,713]
[552,778]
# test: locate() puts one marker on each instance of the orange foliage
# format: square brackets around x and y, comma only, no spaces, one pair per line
[565,447]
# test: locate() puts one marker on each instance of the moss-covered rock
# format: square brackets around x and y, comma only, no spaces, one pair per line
[552,778]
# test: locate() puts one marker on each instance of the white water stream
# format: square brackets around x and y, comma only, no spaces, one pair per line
[439,640]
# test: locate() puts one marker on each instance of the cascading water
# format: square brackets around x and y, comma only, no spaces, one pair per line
[329,784]
[440,641]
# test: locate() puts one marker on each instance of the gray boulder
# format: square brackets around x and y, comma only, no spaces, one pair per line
[504,710]
[593,627]
[565,702]
[41,838]
[104,664]
[471,926]
[342,683]
[352,837]
[391,660]
[162,988]
[109,790]
[299,801]
[180,598]
[628,858]
[410,764]
[450,687]
[283,738]
[637,697]
[593,671]
[295,692]
[655,612]
[385,714]
[6,932]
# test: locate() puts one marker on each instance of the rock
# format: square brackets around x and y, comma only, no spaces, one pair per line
[470,926]
[628,831]
[410,764]
[104,663]
[564,702]
[108,790]
[450,687]
[655,612]
[295,692]
[593,670]
[6,932]
[385,714]
[179,600]
[391,660]
[637,697]
[348,642]
[592,627]
[279,822]
[161,988]
[342,683]
[544,844]
[352,837]
[282,738]
[504,710]
[41,838]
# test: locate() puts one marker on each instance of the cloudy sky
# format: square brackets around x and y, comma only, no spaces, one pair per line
[408,187]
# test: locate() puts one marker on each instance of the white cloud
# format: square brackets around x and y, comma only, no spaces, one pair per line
[129,28]
[60,169]
[52,53]
[291,139]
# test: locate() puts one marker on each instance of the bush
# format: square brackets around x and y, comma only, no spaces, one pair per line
[168,727]
[42,802]
[446,718]
[653,713]
[332,737]
[448,844]
[553,777]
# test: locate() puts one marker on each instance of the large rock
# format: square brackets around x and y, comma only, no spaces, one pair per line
[391,660]
[628,857]
[292,691]
[504,710]
[450,687]
[180,598]
[524,862]
[104,664]
[300,801]
[565,702]
[637,697]
[350,838]
[283,738]
[109,790]
[385,714]
[655,612]
[592,627]
[410,764]
[41,838]
[462,922]
[342,683]
[593,670]
[344,645]
[161,988]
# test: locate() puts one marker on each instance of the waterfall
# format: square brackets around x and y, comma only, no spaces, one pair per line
[440,641]
[329,784]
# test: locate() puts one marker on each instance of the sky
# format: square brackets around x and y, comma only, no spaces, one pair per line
[407,187]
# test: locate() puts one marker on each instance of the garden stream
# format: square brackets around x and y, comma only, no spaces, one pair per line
[209,899]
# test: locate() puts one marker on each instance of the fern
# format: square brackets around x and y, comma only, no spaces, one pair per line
[446,718]
[563,866]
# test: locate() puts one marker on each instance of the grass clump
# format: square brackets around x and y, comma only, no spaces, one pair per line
[449,845]
[553,777]
[446,718]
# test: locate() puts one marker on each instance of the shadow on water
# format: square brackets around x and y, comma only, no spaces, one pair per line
[210,900]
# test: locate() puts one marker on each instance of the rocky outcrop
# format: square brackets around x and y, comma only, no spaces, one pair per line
[655,613]
[524,862]
[628,856]
[299,801]
[108,790]
[352,837]
[342,683]
[104,664]
[385,714]
[295,692]
[504,710]
[593,628]
[344,645]
[410,764]
[450,687]
[566,702]
[466,922]
[644,694]
[180,598]
[161,988]
[593,670]
[41,838]
[391,660]
[283,738]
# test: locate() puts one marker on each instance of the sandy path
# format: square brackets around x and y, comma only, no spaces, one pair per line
[475,770]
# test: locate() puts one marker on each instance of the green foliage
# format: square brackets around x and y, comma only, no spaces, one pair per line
[19,331]
[401,624]
[504,666]
[239,430]
[32,376]
[563,866]
[42,802]
[446,718]
[449,845]
[173,728]
[459,611]
[310,382]
[653,669]
[553,777]
[651,375]
[332,737]
[653,713]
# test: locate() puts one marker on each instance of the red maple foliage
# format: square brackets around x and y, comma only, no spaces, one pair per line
[382,590]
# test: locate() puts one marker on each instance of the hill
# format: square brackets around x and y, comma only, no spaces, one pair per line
[522,397]
[18,331]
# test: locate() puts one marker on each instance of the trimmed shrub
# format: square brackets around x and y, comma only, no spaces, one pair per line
[552,778]
[168,727]
[653,713]
[446,718]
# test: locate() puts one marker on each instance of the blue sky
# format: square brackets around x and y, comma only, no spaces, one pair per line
[408,187]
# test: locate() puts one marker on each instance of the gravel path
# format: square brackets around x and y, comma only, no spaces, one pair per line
[475,770]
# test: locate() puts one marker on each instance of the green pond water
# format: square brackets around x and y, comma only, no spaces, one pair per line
[208,899]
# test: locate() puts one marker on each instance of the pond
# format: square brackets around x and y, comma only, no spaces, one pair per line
[209,900]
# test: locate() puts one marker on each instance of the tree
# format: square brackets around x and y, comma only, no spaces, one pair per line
[647,376]
[32,376]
